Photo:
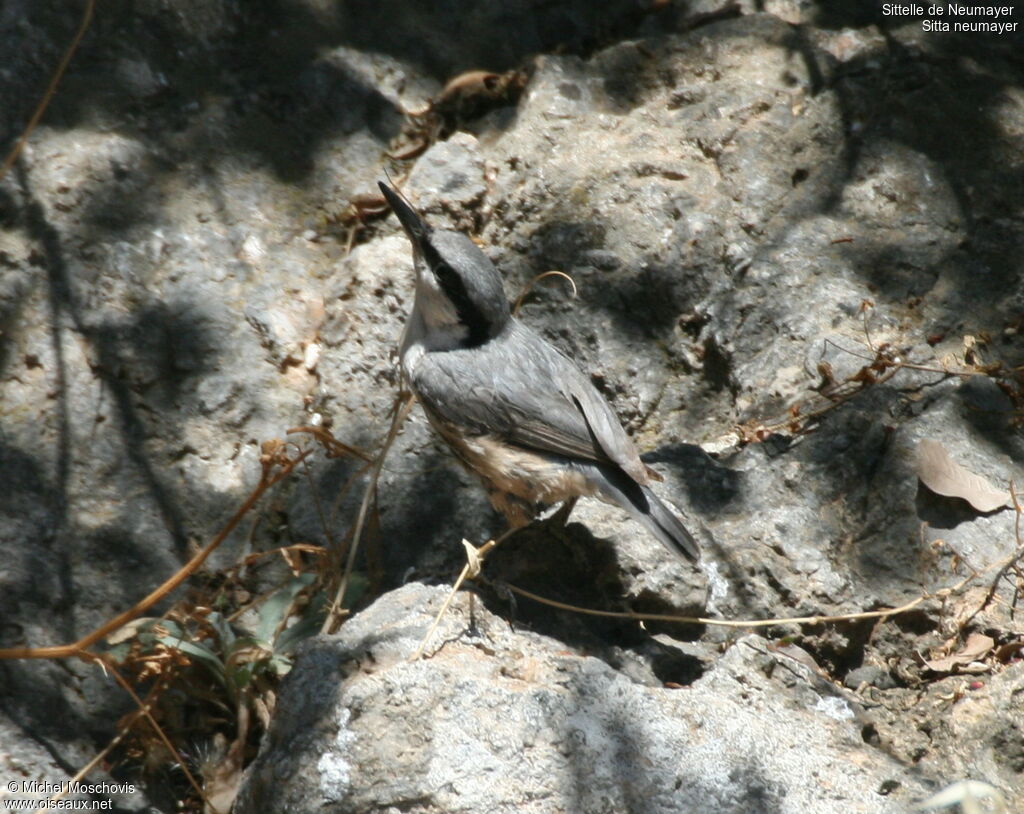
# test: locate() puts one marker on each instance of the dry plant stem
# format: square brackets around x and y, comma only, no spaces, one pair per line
[444,609]
[336,505]
[912,365]
[78,648]
[51,89]
[350,240]
[529,287]
[1012,562]
[837,397]
[334,447]
[481,553]
[92,764]
[247,550]
[741,623]
[316,501]
[401,411]
[144,711]
[257,601]
[881,371]
[283,552]
[867,333]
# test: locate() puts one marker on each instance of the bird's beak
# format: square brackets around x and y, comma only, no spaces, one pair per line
[413,224]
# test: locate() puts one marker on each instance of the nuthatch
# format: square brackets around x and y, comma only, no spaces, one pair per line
[512,408]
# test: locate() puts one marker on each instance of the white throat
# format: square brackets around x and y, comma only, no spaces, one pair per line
[433,324]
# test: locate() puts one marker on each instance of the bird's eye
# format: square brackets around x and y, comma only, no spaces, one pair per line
[443,271]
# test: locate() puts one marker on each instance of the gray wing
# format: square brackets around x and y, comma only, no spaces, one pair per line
[520,388]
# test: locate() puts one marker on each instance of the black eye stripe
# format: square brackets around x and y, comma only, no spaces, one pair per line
[455,289]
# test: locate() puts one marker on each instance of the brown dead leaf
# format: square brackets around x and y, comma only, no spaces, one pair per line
[221,781]
[1010,650]
[967,659]
[944,476]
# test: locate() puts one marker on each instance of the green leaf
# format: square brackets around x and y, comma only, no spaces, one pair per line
[307,625]
[196,651]
[222,627]
[272,611]
[281,665]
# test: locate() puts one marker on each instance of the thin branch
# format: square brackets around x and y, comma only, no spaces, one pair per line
[701,620]
[746,623]
[51,89]
[529,287]
[80,647]
[144,711]
[401,410]
[475,558]
[1013,560]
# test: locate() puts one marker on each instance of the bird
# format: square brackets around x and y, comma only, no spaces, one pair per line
[513,409]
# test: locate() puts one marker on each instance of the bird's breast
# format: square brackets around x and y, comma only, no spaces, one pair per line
[531,476]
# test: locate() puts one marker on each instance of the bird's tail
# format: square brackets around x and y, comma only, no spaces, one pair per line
[648,509]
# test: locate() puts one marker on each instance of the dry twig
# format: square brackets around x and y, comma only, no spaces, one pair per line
[51,89]
[272,459]
[400,410]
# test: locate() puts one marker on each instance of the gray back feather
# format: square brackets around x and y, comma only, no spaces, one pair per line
[520,388]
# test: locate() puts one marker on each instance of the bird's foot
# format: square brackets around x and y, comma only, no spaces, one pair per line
[555,522]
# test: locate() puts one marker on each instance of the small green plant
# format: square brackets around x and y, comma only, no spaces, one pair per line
[213,668]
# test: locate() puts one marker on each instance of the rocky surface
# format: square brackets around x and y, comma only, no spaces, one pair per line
[754,205]
[498,720]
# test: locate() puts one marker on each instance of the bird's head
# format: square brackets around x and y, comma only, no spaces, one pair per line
[458,290]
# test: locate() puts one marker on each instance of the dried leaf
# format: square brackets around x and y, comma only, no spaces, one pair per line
[221,782]
[1010,650]
[943,476]
[977,646]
